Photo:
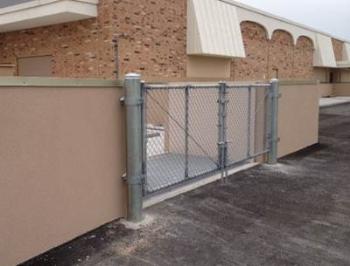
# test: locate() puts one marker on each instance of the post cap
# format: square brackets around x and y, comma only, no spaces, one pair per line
[132,76]
[274,81]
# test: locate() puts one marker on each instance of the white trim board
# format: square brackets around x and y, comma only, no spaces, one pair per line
[45,12]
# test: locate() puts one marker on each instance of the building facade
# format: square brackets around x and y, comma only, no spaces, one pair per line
[163,39]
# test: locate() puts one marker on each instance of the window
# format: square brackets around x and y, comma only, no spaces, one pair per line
[38,66]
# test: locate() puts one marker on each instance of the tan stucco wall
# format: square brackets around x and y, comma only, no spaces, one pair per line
[341,89]
[62,157]
[208,67]
[345,76]
[36,66]
[298,118]
[6,71]
[325,89]
[321,74]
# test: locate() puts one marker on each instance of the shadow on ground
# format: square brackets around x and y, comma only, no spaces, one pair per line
[295,213]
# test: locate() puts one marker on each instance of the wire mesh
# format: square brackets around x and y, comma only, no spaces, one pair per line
[246,122]
[184,133]
[165,138]
[203,130]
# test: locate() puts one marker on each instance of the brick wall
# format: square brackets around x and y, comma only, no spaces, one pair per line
[151,37]
[338,49]
[79,49]
[264,58]
[148,36]
[281,55]
[303,59]
[254,66]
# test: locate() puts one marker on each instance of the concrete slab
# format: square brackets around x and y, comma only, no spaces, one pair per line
[332,101]
[169,169]
[296,213]
[155,199]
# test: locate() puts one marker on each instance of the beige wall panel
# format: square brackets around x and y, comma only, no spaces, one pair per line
[62,156]
[38,66]
[325,89]
[342,89]
[345,76]
[6,71]
[321,74]
[208,67]
[298,118]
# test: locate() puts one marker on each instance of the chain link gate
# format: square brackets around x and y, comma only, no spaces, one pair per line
[191,131]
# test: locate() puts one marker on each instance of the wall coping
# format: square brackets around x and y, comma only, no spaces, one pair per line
[92,82]
[57,82]
[298,82]
[194,80]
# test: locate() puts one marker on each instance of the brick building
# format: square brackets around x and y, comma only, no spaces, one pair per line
[168,39]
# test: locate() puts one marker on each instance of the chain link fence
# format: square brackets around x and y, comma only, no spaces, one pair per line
[194,130]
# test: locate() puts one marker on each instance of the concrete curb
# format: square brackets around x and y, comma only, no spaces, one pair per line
[181,190]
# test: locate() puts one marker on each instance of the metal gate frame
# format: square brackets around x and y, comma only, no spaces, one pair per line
[136,121]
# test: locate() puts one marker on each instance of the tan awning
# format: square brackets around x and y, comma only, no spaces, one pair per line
[213,29]
[343,64]
[346,52]
[324,53]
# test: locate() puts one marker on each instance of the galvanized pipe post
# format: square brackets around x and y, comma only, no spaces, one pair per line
[222,141]
[187,94]
[249,141]
[273,130]
[144,137]
[133,103]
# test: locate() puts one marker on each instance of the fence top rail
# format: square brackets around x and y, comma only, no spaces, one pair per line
[241,86]
[181,86]
[205,86]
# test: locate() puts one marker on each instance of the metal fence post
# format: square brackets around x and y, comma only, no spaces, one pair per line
[133,103]
[249,141]
[273,129]
[144,138]
[222,141]
[187,88]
